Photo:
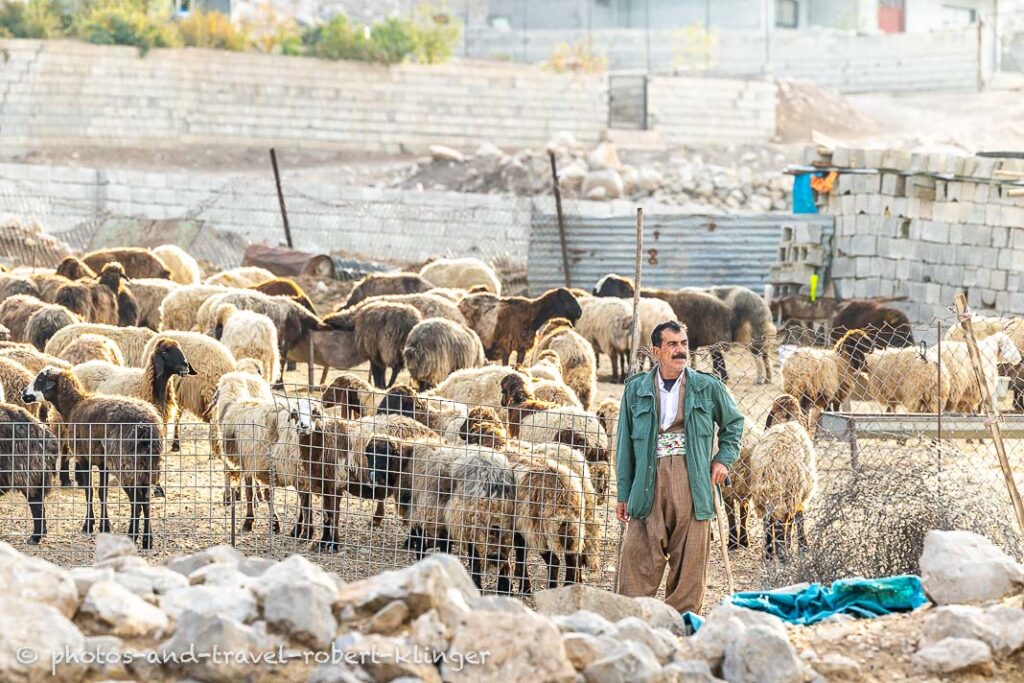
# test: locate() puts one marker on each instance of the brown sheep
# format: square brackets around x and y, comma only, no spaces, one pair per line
[519,401]
[707,318]
[282,286]
[885,325]
[381,329]
[508,324]
[576,355]
[11,285]
[75,269]
[28,461]
[100,301]
[15,312]
[45,323]
[136,262]
[379,284]
[118,435]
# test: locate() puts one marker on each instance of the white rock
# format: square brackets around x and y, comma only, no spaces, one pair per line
[762,654]
[953,654]
[581,600]
[387,659]
[430,633]
[649,179]
[684,672]
[235,603]
[604,156]
[202,635]
[443,153]
[583,621]
[138,585]
[629,661]
[218,554]
[571,176]
[85,577]
[43,632]
[1001,627]
[111,608]
[34,579]
[659,615]
[725,624]
[633,628]
[107,652]
[112,545]
[298,598]
[583,649]
[521,647]
[436,582]
[962,567]
[488,149]
[389,618]
[121,562]
[609,179]
[160,579]
[219,575]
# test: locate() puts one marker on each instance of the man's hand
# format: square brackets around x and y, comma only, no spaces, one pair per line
[620,512]
[718,473]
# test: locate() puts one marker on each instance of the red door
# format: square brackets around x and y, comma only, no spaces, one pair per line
[891,14]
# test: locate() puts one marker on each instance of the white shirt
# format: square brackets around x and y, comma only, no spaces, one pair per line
[668,400]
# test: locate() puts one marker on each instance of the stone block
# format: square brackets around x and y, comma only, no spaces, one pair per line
[1000,236]
[893,184]
[933,231]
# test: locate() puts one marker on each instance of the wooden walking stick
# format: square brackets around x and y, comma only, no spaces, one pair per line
[723,535]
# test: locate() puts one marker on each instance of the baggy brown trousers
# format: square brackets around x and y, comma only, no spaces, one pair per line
[670,534]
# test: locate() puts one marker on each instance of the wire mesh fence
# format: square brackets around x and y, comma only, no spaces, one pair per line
[365,480]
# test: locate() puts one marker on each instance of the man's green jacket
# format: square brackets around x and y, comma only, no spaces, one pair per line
[706,403]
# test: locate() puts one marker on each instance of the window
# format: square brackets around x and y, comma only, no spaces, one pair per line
[958,16]
[787,13]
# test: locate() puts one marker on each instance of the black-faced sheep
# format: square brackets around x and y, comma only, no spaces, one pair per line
[184,269]
[461,273]
[381,330]
[118,435]
[28,461]
[136,262]
[885,325]
[379,284]
[435,348]
[579,367]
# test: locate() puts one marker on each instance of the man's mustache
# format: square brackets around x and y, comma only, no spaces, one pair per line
[680,356]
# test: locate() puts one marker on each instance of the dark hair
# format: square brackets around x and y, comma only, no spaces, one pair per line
[676,327]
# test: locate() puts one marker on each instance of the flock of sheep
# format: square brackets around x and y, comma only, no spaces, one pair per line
[495,460]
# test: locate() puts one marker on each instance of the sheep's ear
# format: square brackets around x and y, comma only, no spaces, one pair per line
[770,420]
[158,364]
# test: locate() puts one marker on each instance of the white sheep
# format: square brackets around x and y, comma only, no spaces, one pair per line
[964,394]
[825,377]
[607,323]
[180,309]
[184,269]
[131,340]
[247,334]
[462,273]
[783,476]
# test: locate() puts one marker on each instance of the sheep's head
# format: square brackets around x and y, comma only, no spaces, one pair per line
[383,458]
[854,347]
[614,285]
[482,427]
[113,275]
[344,391]
[608,413]
[402,399]
[514,390]
[46,385]
[224,313]
[785,408]
[304,416]
[560,303]
[74,269]
[169,359]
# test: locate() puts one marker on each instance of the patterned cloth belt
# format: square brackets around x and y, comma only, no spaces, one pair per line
[671,443]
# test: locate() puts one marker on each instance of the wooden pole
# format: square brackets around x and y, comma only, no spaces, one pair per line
[635,345]
[964,314]
[561,220]
[310,366]
[280,199]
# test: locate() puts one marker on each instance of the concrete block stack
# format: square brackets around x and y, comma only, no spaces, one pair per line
[803,249]
[926,227]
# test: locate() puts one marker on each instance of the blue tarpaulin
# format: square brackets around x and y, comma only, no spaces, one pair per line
[803,195]
[862,598]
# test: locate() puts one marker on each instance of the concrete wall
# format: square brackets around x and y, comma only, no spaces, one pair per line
[69,93]
[906,231]
[940,60]
[740,107]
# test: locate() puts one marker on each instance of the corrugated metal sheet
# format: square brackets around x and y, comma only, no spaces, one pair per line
[679,250]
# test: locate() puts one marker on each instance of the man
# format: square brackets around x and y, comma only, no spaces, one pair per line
[666,472]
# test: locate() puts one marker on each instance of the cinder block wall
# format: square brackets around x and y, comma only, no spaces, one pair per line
[927,226]
[70,93]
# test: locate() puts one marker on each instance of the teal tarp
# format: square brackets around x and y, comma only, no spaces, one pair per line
[862,598]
